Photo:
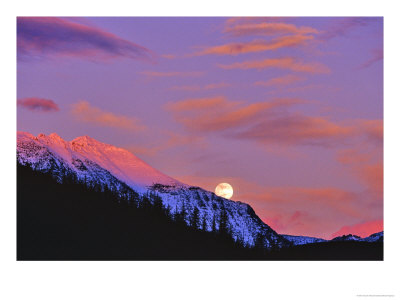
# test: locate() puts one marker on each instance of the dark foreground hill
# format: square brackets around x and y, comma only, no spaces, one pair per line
[69,221]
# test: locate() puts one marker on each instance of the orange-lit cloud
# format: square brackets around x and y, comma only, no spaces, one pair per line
[269,122]
[268,29]
[84,112]
[218,113]
[296,128]
[168,56]
[361,229]
[38,104]
[373,129]
[367,166]
[263,122]
[197,104]
[172,74]
[256,46]
[287,63]
[210,86]
[352,156]
[372,175]
[254,20]
[280,81]
[173,140]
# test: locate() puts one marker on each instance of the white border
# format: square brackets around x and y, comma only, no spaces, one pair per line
[198,280]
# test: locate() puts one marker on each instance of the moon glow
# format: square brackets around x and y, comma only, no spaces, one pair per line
[224,190]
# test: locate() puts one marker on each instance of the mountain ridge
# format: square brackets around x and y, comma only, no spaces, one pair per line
[94,162]
[105,165]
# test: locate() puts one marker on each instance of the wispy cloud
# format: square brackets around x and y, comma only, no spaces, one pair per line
[56,37]
[85,112]
[296,129]
[255,20]
[38,104]
[172,74]
[267,29]
[287,63]
[210,86]
[168,56]
[281,81]
[372,129]
[218,114]
[366,165]
[173,140]
[341,26]
[256,46]
[198,104]
[377,55]
[270,122]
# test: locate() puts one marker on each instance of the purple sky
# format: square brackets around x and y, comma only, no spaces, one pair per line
[288,111]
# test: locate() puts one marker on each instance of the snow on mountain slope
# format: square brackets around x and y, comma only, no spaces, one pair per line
[348,237]
[376,237]
[94,162]
[119,162]
[302,240]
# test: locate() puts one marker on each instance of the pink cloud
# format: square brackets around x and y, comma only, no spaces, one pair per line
[192,88]
[296,128]
[377,55]
[219,114]
[361,229]
[372,129]
[287,63]
[172,74]
[38,104]
[280,81]
[173,140]
[256,46]
[85,112]
[268,29]
[366,165]
[197,104]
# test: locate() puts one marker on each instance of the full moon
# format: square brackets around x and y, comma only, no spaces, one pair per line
[224,190]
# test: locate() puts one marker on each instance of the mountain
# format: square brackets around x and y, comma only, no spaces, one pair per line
[375,237]
[348,237]
[302,240]
[100,164]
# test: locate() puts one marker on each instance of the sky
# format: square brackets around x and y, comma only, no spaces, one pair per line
[288,110]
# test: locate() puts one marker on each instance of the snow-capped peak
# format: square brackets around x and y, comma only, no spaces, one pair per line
[100,164]
[121,163]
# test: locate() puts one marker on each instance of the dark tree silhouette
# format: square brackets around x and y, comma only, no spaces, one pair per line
[195,218]
[204,224]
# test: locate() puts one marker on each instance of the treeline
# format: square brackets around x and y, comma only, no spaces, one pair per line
[71,220]
[68,219]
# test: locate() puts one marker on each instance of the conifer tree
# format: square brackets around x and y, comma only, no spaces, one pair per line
[204,224]
[214,225]
[195,219]
[223,223]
